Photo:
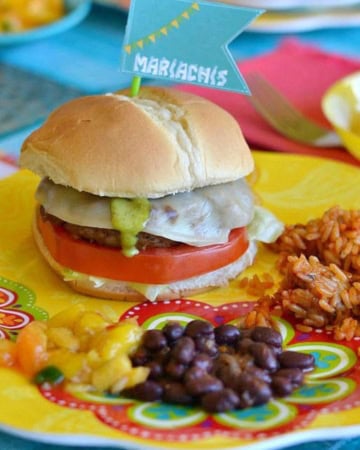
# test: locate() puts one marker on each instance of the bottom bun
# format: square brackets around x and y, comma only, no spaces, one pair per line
[134,292]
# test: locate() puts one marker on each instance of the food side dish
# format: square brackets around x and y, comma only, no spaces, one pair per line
[22,15]
[320,261]
[90,348]
[333,238]
[257,285]
[217,368]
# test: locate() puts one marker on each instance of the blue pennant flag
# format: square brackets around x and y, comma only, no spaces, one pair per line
[185,41]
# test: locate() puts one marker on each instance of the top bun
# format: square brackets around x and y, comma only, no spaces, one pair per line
[161,142]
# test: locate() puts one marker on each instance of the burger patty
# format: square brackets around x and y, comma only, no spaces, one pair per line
[106,237]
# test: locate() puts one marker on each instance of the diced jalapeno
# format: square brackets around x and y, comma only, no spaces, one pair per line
[49,374]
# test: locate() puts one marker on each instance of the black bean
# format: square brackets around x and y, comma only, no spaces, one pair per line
[276,350]
[266,335]
[175,369]
[183,350]
[222,368]
[253,393]
[290,360]
[162,355]
[245,400]
[244,345]
[156,370]
[173,331]
[220,401]
[264,357]
[262,393]
[140,357]
[226,334]
[203,385]
[260,374]
[199,328]
[193,373]
[175,392]
[227,369]
[296,376]
[206,345]
[154,340]
[148,391]
[282,386]
[245,333]
[226,377]
[244,380]
[203,361]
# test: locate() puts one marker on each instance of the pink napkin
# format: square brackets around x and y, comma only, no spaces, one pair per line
[7,165]
[303,73]
[7,159]
[6,169]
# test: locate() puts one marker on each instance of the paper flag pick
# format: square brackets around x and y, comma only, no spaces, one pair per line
[185,41]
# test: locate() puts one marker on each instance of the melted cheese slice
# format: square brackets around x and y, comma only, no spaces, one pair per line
[202,217]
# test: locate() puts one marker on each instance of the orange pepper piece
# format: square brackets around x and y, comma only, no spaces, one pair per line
[31,345]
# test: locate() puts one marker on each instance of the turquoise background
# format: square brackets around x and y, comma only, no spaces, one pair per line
[13,443]
[8,442]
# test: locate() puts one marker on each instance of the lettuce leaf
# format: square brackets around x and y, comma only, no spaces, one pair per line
[264,227]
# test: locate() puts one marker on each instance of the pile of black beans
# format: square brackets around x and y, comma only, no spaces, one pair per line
[219,368]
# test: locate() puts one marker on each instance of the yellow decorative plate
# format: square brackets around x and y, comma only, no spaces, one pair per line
[296,188]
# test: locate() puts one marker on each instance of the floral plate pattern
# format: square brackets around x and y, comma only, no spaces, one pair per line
[17,308]
[332,386]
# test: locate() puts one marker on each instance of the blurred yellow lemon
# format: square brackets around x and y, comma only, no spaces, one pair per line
[341,106]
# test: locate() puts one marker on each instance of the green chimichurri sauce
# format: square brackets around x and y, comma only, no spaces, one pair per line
[129,217]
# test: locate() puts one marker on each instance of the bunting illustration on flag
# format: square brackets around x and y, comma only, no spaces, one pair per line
[185,41]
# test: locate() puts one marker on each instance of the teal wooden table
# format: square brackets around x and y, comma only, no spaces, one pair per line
[85,59]
[12,443]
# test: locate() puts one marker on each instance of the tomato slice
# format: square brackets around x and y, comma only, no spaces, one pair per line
[150,266]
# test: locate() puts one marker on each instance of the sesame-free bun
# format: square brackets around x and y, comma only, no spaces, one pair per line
[163,141]
[121,290]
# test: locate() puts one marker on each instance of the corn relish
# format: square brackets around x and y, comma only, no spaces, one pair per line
[87,348]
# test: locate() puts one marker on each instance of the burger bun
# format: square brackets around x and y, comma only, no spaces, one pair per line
[161,142]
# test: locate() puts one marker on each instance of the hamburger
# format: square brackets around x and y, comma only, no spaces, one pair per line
[144,196]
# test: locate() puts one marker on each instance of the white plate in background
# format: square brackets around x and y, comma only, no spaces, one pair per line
[280,22]
[291,4]
[277,21]
[266,4]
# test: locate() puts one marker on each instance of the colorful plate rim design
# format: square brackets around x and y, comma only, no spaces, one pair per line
[77,10]
[304,172]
